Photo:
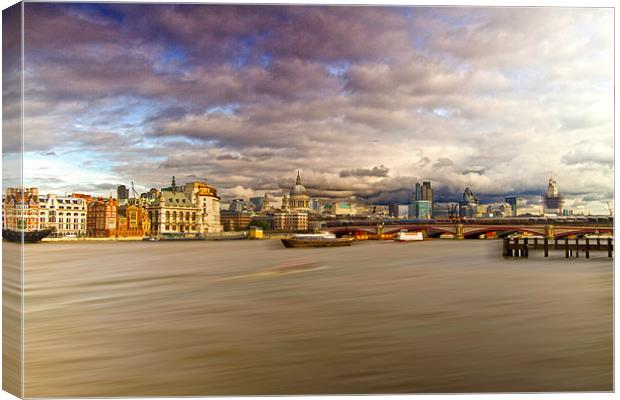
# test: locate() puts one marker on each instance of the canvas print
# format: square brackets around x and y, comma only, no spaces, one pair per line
[235,199]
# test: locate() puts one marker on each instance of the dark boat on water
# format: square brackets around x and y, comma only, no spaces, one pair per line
[316,240]
[29,236]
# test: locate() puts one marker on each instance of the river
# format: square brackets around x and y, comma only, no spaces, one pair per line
[251,317]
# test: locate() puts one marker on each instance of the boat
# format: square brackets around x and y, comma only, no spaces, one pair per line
[408,236]
[316,240]
[598,236]
[28,236]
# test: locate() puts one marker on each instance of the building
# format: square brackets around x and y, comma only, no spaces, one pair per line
[421,209]
[88,198]
[421,206]
[233,220]
[173,214]
[122,194]
[150,195]
[285,203]
[186,211]
[266,206]
[101,218]
[257,202]
[20,209]
[206,199]
[513,201]
[132,221]
[316,205]
[290,222]
[394,210]
[468,206]
[65,215]
[497,210]
[553,203]
[337,209]
[298,199]
[241,205]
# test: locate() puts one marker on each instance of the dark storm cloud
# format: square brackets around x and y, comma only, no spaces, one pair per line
[380,171]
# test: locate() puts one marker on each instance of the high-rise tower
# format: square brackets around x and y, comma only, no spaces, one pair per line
[552,200]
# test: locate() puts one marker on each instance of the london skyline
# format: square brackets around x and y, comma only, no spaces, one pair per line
[365,101]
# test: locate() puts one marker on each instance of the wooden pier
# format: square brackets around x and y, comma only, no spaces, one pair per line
[521,246]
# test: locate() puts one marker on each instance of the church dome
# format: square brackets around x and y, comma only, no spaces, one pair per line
[298,189]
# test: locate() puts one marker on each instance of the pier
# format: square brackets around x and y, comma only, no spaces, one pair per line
[521,246]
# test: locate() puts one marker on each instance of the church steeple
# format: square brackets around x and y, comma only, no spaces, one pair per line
[298,181]
[173,181]
[266,204]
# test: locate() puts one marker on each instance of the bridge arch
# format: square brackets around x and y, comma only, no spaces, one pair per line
[582,231]
[347,230]
[501,231]
[431,231]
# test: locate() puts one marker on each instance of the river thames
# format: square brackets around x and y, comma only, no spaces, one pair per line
[251,317]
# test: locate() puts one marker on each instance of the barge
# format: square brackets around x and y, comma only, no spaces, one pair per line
[316,240]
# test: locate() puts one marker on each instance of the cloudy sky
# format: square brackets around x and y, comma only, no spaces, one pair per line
[364,101]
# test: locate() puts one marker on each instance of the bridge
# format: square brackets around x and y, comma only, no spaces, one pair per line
[472,230]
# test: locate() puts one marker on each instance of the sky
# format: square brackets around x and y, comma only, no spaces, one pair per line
[364,101]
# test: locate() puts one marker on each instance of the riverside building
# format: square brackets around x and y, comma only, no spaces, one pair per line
[20,209]
[290,222]
[65,215]
[184,211]
[101,218]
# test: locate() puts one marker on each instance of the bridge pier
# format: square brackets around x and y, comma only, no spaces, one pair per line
[380,228]
[460,234]
[549,231]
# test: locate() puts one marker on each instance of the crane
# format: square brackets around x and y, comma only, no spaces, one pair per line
[611,212]
[135,194]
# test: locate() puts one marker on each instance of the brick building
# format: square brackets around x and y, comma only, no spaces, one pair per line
[102,217]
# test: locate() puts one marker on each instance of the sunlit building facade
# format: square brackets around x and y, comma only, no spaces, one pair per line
[65,215]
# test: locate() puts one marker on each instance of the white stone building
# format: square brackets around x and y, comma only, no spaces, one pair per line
[66,215]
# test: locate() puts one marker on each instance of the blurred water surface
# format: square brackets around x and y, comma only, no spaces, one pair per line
[251,317]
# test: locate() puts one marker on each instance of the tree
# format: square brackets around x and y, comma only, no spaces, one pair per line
[260,224]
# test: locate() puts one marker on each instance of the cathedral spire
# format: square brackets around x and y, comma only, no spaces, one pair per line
[298,181]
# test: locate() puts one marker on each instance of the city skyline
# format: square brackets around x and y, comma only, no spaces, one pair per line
[365,101]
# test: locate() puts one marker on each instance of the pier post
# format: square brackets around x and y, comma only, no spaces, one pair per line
[566,247]
[546,246]
[587,248]
[556,244]
[535,243]
[577,247]
[609,247]
[505,247]
[515,247]
[525,248]
[598,243]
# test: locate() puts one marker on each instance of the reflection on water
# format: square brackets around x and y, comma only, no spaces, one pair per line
[247,317]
